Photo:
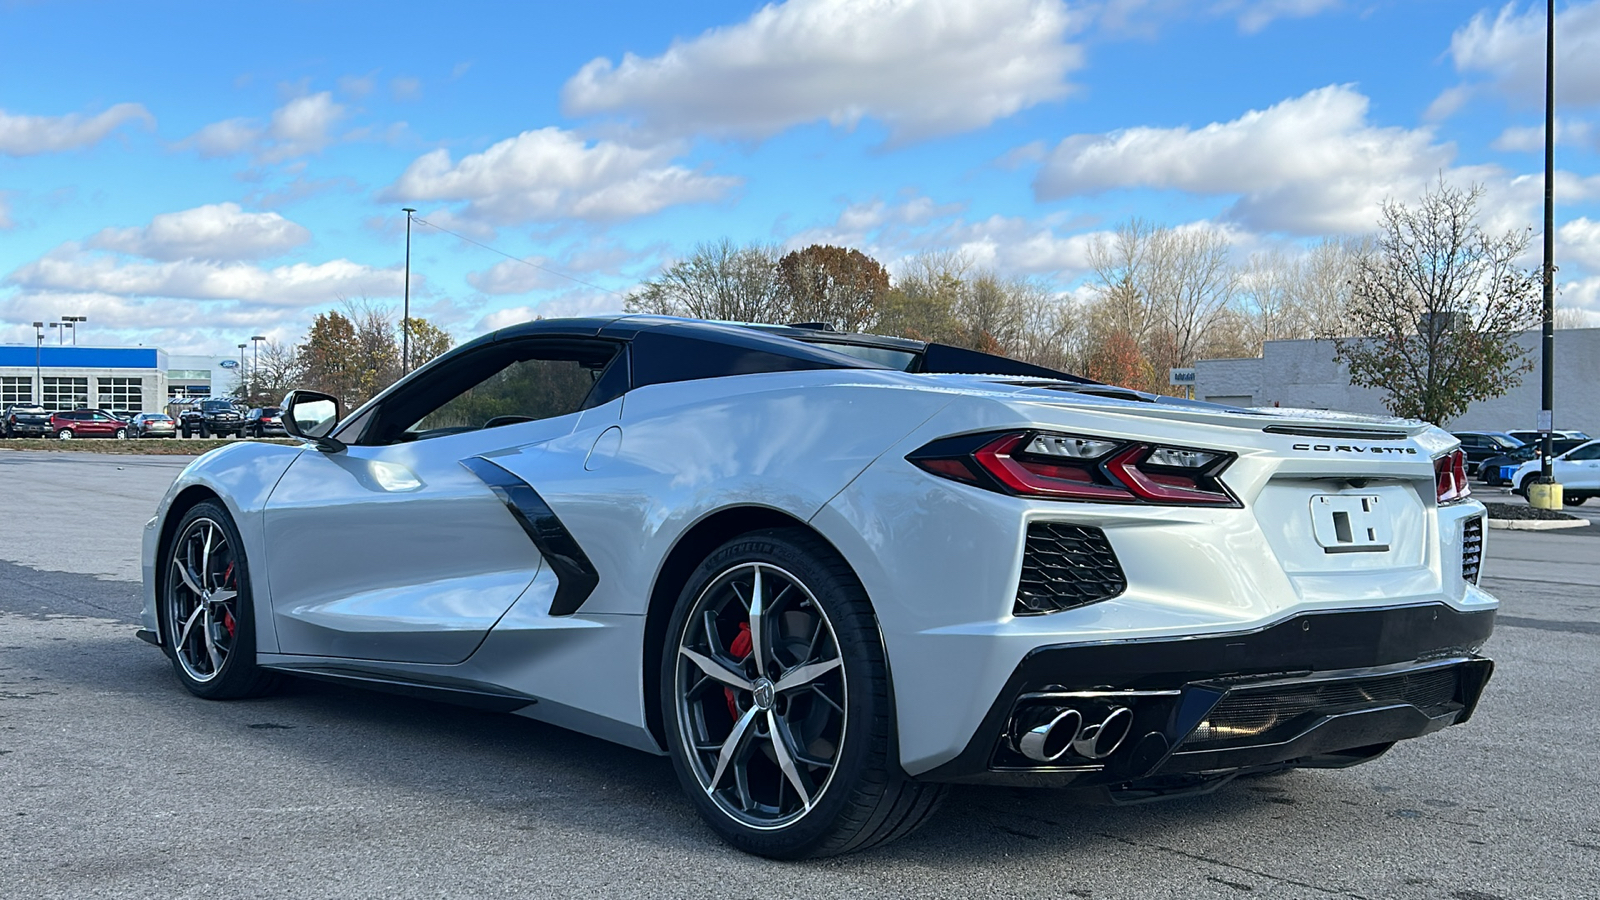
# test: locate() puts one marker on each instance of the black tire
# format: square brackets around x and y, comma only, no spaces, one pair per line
[122,434]
[863,798]
[219,661]
[205,430]
[187,434]
[1574,499]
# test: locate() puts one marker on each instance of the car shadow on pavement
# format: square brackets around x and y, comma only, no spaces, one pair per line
[532,776]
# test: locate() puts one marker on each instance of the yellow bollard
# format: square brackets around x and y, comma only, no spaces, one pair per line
[1544,496]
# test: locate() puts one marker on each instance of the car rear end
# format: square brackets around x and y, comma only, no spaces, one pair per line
[157,426]
[1151,596]
[24,421]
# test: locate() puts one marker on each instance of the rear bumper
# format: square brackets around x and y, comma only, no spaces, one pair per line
[1319,689]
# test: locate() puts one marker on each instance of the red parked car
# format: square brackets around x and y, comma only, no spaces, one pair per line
[87,423]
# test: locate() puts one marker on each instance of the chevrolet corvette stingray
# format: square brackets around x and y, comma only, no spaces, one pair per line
[831,574]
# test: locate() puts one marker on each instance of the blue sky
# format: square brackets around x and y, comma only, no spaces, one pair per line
[190,174]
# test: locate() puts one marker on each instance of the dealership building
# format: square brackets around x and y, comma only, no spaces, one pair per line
[127,379]
[1305,375]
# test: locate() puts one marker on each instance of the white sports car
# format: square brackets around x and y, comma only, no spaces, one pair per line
[830,574]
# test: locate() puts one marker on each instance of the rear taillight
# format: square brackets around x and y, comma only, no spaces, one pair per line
[1071,467]
[1450,477]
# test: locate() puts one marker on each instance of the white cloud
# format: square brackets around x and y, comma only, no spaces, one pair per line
[553,174]
[405,88]
[69,269]
[219,231]
[921,68]
[1312,164]
[357,86]
[1584,296]
[1508,49]
[516,276]
[1448,103]
[301,127]
[580,302]
[1578,241]
[1255,15]
[30,135]
[1529,139]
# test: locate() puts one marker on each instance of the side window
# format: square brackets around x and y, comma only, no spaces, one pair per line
[525,390]
[502,384]
[1592,451]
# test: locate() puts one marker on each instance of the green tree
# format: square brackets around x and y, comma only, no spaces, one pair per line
[718,280]
[329,356]
[1439,304]
[427,341]
[836,285]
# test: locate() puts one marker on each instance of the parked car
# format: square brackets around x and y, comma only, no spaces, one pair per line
[1533,437]
[87,423]
[1480,445]
[25,420]
[1577,471]
[1498,470]
[828,587]
[208,418]
[265,421]
[152,425]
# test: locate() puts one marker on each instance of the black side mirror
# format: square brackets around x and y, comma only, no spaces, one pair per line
[311,416]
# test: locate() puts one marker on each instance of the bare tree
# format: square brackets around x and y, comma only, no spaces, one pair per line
[1439,304]
[1569,317]
[717,281]
[1190,283]
[1121,264]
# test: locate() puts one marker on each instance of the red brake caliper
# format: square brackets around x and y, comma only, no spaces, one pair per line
[227,617]
[740,648]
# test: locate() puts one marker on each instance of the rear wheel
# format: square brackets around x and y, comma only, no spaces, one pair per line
[1575,499]
[207,616]
[775,697]
[64,434]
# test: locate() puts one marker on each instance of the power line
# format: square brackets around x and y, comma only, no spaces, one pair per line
[519,259]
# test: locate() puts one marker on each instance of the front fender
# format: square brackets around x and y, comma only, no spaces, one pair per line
[241,475]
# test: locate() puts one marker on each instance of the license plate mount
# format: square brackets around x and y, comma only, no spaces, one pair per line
[1350,523]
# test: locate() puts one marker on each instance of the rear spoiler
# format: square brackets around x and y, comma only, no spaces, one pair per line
[959,361]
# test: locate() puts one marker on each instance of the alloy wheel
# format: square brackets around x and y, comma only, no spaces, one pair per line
[761,695]
[202,599]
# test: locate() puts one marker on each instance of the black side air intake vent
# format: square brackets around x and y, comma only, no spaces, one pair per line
[1065,566]
[1471,548]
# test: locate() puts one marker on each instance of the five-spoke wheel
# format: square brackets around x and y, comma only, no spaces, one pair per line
[761,694]
[205,608]
[775,698]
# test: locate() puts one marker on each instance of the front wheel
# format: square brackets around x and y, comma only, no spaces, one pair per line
[122,434]
[204,431]
[775,698]
[207,616]
[1522,489]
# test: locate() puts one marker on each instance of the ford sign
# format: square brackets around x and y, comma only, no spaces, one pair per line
[229,364]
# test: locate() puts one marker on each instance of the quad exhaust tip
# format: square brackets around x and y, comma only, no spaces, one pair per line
[1048,734]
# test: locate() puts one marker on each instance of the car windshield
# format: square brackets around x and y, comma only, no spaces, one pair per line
[271,411]
[216,405]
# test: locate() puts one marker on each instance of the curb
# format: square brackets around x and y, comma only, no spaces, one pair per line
[1536,524]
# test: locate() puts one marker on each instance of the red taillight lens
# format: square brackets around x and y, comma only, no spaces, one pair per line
[1450,477]
[1064,467]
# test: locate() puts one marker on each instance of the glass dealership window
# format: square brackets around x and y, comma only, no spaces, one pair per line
[122,394]
[65,393]
[15,390]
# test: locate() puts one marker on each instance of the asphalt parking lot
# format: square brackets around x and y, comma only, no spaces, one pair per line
[114,782]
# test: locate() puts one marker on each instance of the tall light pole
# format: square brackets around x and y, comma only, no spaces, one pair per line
[242,372]
[405,313]
[38,367]
[1547,493]
[71,321]
[255,363]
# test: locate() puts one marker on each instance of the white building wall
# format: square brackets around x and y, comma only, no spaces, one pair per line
[1304,374]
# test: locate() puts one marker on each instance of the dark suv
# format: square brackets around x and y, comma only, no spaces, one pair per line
[1480,445]
[212,417]
[25,420]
